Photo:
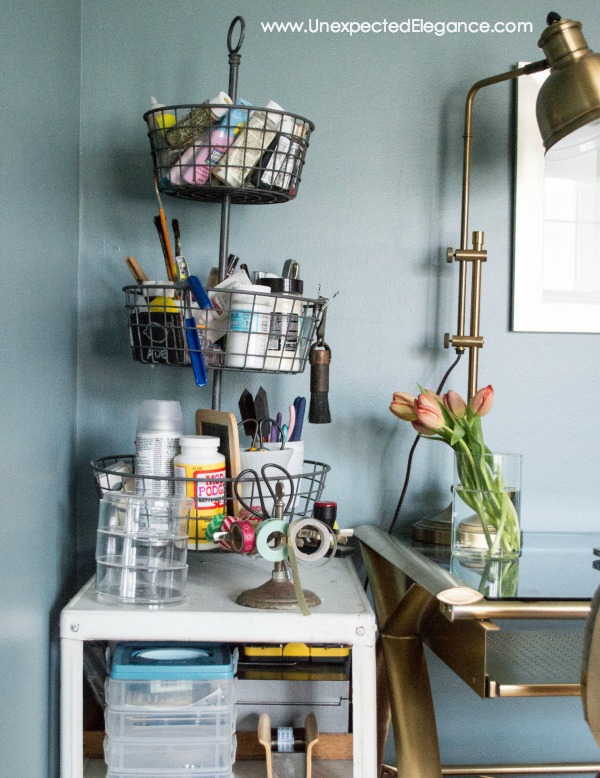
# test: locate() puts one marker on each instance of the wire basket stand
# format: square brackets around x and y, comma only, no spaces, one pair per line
[263,164]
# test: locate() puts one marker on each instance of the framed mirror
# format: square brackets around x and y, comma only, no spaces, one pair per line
[556,273]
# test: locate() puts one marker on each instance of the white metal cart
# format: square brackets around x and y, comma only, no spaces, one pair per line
[210,613]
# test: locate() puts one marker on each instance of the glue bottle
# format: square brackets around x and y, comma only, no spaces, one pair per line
[159,430]
[159,120]
[204,466]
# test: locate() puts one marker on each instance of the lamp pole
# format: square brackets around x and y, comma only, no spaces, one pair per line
[476,255]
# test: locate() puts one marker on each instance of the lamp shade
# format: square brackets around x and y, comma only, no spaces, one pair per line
[568,105]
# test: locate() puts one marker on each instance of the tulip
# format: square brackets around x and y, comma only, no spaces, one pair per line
[455,404]
[482,401]
[429,414]
[403,406]
[421,429]
[432,394]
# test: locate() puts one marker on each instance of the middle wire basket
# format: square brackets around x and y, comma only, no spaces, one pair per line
[117,473]
[252,331]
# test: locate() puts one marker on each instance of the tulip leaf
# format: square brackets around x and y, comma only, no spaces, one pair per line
[457,434]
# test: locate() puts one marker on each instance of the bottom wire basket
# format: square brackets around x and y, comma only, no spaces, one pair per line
[117,473]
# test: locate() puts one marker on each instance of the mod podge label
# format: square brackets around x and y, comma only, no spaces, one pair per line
[207,487]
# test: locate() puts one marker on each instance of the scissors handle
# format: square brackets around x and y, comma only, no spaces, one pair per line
[273,491]
[253,479]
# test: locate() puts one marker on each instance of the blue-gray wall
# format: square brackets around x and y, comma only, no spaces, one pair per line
[39,99]
[378,204]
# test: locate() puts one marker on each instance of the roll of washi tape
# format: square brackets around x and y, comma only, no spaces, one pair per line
[242,537]
[225,527]
[214,525]
[285,740]
[265,532]
[319,532]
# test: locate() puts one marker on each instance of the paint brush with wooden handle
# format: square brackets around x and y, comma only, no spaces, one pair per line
[136,270]
[170,264]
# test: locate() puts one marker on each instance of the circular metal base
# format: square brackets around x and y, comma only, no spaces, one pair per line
[275,595]
[470,533]
[436,530]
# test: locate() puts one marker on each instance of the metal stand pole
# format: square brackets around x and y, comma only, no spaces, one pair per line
[234,64]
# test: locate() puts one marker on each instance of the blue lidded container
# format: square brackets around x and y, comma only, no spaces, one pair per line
[137,661]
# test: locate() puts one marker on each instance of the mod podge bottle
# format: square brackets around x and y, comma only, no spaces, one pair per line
[201,460]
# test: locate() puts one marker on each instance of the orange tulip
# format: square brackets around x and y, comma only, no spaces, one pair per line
[455,404]
[482,401]
[421,429]
[403,406]
[429,414]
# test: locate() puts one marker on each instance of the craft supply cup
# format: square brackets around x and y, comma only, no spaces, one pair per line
[255,460]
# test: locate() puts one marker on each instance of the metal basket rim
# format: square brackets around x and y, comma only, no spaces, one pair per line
[325,468]
[166,108]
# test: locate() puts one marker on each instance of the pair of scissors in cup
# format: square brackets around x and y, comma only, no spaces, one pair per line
[262,431]
[250,476]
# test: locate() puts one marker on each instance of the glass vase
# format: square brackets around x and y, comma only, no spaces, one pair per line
[486,505]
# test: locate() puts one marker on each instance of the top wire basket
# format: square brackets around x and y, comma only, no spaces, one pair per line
[210,150]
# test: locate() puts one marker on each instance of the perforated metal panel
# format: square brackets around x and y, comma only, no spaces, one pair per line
[508,659]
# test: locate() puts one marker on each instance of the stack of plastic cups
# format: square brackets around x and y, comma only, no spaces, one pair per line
[141,548]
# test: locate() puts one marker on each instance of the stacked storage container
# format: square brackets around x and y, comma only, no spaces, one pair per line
[170,711]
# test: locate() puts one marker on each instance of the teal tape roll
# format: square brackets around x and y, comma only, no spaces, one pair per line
[265,531]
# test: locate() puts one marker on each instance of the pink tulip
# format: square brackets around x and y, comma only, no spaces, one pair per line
[429,414]
[432,394]
[455,404]
[403,406]
[482,401]
[421,429]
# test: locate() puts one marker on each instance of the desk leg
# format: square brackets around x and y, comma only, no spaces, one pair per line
[413,717]
[71,708]
[364,712]
[402,611]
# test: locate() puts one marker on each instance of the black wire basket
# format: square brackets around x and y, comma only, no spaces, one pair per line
[206,151]
[263,332]
[117,473]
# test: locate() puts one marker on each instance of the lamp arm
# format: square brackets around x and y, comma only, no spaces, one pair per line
[533,67]
[476,255]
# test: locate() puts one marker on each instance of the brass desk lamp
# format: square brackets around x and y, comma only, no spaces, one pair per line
[568,115]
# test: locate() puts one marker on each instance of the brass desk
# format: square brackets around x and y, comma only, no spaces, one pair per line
[422,596]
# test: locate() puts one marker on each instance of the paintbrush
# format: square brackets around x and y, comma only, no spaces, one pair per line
[170,264]
[177,234]
[136,270]
[163,245]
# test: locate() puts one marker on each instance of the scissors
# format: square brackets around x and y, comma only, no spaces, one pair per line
[260,433]
[256,490]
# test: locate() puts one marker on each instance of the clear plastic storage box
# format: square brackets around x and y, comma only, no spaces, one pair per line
[151,757]
[211,724]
